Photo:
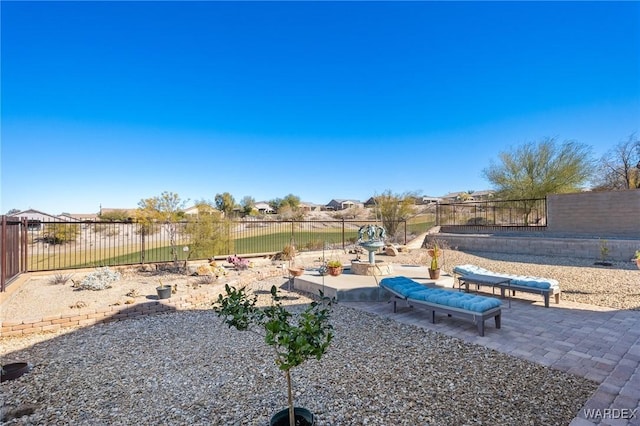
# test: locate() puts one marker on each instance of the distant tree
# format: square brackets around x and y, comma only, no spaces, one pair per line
[60,233]
[293,201]
[166,209]
[287,207]
[207,232]
[393,208]
[535,170]
[225,203]
[12,212]
[618,167]
[247,204]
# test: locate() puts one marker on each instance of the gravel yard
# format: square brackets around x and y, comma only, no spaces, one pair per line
[189,368]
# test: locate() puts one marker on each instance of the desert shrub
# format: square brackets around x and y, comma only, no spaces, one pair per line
[60,233]
[99,280]
[240,263]
[205,279]
[478,220]
[61,278]
[313,245]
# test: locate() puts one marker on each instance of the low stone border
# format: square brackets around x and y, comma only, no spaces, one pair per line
[201,300]
[104,315]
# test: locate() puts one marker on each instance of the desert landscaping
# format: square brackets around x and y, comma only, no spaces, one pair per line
[187,367]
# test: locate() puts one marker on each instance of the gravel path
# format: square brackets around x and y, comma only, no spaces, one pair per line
[189,368]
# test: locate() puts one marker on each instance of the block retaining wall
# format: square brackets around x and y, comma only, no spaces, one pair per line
[588,248]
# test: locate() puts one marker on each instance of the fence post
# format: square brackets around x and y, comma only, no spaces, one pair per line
[142,245]
[343,242]
[3,253]
[405,232]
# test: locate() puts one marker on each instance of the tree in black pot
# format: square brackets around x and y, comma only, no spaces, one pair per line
[294,338]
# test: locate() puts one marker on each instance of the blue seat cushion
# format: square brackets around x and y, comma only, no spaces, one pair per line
[455,299]
[521,280]
[409,288]
[401,285]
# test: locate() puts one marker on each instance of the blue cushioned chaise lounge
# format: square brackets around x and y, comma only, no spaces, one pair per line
[452,303]
[545,286]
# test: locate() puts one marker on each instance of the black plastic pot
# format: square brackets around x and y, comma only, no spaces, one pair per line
[304,417]
[14,370]
[164,292]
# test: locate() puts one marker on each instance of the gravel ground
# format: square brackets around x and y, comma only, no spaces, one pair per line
[189,368]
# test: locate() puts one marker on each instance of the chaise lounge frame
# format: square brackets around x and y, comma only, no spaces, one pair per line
[545,292]
[477,317]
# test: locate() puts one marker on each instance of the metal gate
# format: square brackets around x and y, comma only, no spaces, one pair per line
[13,249]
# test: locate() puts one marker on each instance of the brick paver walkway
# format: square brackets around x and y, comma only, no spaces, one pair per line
[598,343]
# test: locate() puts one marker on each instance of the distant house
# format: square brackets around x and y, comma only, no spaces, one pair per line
[82,217]
[67,218]
[309,207]
[464,196]
[36,217]
[264,208]
[337,204]
[425,199]
[195,210]
[484,195]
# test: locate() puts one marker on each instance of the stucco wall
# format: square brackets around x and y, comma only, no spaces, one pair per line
[595,214]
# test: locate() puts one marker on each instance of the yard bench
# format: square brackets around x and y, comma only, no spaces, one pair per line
[546,287]
[464,305]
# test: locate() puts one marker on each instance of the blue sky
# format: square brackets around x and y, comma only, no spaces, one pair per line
[107,103]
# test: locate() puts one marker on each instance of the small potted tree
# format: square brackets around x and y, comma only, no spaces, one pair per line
[636,257]
[435,252]
[294,338]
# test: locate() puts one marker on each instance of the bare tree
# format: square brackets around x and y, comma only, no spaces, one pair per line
[619,168]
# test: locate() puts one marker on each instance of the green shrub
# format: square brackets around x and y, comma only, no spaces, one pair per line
[60,233]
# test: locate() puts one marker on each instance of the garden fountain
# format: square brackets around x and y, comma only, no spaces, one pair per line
[374,241]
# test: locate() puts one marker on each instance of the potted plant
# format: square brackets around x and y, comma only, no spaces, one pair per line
[164,290]
[435,253]
[289,253]
[294,339]
[636,257]
[334,267]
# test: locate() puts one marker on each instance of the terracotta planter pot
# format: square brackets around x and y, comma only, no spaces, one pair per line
[434,274]
[334,270]
[638,262]
[296,272]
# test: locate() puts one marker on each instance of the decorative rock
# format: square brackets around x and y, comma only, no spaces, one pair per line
[365,268]
[391,251]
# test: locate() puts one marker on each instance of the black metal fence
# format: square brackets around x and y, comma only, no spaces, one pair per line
[29,245]
[73,245]
[509,213]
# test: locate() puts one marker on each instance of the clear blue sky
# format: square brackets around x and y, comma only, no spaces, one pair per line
[107,103]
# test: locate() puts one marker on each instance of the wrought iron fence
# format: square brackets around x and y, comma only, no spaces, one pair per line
[73,245]
[508,213]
